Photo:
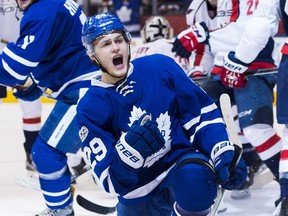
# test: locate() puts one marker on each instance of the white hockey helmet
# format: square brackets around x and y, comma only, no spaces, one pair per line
[156,27]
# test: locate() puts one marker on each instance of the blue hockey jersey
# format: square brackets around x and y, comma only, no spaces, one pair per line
[49,47]
[185,114]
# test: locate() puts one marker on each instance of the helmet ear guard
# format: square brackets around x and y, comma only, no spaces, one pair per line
[156,27]
[99,25]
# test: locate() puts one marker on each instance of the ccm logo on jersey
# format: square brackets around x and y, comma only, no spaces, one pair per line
[128,154]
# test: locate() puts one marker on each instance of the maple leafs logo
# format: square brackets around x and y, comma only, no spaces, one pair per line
[163,121]
[136,113]
[164,124]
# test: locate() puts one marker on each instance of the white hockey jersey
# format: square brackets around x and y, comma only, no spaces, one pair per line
[236,28]
[9,21]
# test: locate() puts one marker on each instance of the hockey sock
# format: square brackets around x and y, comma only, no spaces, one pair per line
[284,187]
[273,164]
[30,137]
[267,144]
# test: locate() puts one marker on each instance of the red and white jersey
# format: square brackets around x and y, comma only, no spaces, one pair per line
[243,26]
[253,22]
[10,16]
[160,46]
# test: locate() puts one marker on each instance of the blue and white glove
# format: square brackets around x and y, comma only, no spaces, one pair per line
[222,155]
[233,72]
[141,141]
[187,41]
[30,92]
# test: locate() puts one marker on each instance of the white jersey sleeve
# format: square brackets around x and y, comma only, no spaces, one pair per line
[251,24]
[262,25]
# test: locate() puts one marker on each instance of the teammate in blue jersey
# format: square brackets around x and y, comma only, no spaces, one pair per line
[152,136]
[49,51]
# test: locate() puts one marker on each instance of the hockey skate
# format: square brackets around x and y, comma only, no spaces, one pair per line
[67,211]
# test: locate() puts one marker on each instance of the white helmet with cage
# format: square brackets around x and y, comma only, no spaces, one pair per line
[156,27]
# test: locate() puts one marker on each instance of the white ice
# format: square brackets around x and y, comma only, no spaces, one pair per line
[18,201]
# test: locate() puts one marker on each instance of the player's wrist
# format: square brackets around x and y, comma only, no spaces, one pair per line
[232,63]
[219,149]
[201,32]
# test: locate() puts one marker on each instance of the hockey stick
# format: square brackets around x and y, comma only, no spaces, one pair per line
[93,207]
[4,41]
[257,72]
[225,104]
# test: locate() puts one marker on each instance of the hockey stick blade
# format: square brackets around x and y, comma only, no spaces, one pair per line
[262,179]
[257,72]
[93,207]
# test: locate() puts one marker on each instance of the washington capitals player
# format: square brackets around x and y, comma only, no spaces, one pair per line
[31,110]
[49,50]
[149,132]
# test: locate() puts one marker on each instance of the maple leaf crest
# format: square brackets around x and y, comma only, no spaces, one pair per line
[164,124]
[136,113]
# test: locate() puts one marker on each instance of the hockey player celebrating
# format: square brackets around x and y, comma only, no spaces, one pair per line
[50,53]
[149,132]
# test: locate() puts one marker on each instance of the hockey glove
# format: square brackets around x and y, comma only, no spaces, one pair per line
[222,156]
[233,72]
[27,92]
[141,141]
[187,41]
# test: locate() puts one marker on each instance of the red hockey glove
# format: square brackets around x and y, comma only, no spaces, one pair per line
[233,72]
[187,41]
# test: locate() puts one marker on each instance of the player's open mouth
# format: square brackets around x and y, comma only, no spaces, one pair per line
[118,61]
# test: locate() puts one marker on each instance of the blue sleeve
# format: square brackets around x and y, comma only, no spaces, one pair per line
[20,58]
[198,114]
